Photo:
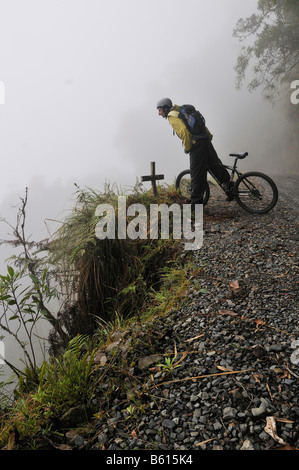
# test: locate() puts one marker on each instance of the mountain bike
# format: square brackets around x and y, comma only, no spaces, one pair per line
[255,192]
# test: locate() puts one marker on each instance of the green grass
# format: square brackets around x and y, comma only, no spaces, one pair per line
[108,278]
[110,284]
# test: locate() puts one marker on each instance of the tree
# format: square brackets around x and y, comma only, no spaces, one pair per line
[275,50]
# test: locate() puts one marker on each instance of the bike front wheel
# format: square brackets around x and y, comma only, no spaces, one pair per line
[255,192]
[183,186]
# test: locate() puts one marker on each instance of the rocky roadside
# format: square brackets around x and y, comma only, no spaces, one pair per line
[222,372]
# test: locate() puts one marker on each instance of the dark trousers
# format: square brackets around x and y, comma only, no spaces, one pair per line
[203,157]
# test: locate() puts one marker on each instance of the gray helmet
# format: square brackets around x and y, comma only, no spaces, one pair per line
[164,103]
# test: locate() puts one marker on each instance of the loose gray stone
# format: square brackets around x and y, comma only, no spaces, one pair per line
[196,414]
[217,426]
[229,413]
[168,423]
[261,410]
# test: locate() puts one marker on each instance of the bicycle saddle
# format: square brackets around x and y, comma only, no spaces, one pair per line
[238,155]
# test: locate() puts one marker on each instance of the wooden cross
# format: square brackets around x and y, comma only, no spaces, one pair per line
[153,178]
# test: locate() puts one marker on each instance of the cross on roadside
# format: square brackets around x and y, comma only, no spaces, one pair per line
[153,178]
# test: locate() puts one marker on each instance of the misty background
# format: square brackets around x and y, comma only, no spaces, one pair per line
[82,79]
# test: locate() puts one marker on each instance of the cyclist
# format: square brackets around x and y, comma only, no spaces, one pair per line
[202,153]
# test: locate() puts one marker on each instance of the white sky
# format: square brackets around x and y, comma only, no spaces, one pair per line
[82,79]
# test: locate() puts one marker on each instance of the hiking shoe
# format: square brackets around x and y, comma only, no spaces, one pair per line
[230,197]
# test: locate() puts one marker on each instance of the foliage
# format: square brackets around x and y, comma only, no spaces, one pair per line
[25,292]
[5,393]
[107,283]
[62,382]
[170,364]
[65,380]
[21,307]
[96,279]
[275,49]
[108,278]
[72,379]
[175,284]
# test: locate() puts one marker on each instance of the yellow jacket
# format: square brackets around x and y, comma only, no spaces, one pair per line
[181,130]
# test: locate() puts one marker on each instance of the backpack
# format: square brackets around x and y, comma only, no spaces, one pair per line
[194,121]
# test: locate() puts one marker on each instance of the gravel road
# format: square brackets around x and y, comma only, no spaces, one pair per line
[235,386]
[289,190]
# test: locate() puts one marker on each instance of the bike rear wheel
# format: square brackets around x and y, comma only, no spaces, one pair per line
[256,192]
[183,186]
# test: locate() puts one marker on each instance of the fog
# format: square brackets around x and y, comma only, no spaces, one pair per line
[81,83]
[82,79]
